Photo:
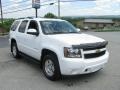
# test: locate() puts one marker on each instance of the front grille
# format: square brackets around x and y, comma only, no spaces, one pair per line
[89,48]
[94,48]
[94,55]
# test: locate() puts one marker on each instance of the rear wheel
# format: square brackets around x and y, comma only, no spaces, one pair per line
[14,50]
[51,67]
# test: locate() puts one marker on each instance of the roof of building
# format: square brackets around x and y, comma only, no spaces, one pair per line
[98,21]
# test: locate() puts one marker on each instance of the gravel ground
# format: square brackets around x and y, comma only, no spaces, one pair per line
[22,74]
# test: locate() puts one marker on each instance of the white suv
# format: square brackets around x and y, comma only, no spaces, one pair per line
[59,46]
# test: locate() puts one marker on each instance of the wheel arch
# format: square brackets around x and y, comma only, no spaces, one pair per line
[47,51]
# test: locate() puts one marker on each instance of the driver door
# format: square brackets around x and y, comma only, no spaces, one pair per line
[32,41]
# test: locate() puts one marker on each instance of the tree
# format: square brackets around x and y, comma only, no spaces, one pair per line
[50,15]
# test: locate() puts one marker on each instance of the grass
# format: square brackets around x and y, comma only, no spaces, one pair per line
[107,31]
[2,34]
[110,29]
[6,25]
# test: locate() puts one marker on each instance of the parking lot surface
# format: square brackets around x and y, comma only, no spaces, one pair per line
[22,74]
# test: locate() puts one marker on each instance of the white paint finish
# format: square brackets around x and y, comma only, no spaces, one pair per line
[33,45]
[75,39]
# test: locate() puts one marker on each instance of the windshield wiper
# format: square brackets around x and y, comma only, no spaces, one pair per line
[64,32]
[73,32]
[58,32]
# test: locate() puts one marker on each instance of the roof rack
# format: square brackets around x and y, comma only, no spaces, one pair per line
[26,18]
[30,17]
[20,18]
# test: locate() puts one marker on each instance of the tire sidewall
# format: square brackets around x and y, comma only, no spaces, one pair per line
[17,52]
[56,75]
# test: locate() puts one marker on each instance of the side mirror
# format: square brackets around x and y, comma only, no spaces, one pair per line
[78,29]
[32,32]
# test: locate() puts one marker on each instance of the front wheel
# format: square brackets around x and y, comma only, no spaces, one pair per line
[51,67]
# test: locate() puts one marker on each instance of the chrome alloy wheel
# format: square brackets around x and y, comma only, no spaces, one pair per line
[49,67]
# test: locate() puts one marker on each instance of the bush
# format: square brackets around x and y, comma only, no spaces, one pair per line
[75,21]
[6,25]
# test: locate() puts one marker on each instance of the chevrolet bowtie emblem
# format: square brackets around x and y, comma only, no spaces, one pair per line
[98,50]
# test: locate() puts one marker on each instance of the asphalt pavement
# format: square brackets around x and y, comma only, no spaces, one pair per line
[23,74]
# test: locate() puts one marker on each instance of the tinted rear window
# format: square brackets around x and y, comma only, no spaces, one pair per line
[23,26]
[14,26]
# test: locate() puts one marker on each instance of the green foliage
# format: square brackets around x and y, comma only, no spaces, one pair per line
[107,31]
[74,21]
[6,24]
[50,15]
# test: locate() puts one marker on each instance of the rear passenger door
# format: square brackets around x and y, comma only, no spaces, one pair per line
[13,30]
[21,36]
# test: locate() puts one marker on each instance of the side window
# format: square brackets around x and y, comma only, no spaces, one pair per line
[14,26]
[33,25]
[23,26]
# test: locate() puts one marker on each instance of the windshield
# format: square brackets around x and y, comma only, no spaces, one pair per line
[57,27]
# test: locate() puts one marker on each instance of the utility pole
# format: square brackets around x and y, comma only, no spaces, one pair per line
[58,8]
[1,11]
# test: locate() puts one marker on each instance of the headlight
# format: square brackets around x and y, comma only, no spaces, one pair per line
[72,53]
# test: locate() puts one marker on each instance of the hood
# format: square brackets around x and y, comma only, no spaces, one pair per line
[76,39]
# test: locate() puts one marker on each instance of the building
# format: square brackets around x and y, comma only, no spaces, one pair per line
[98,23]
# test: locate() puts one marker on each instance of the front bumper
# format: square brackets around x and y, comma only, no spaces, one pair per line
[75,66]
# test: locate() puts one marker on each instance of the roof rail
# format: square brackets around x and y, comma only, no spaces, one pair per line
[26,18]
[29,17]
[20,18]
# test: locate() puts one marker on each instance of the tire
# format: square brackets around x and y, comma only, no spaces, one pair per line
[53,67]
[14,50]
